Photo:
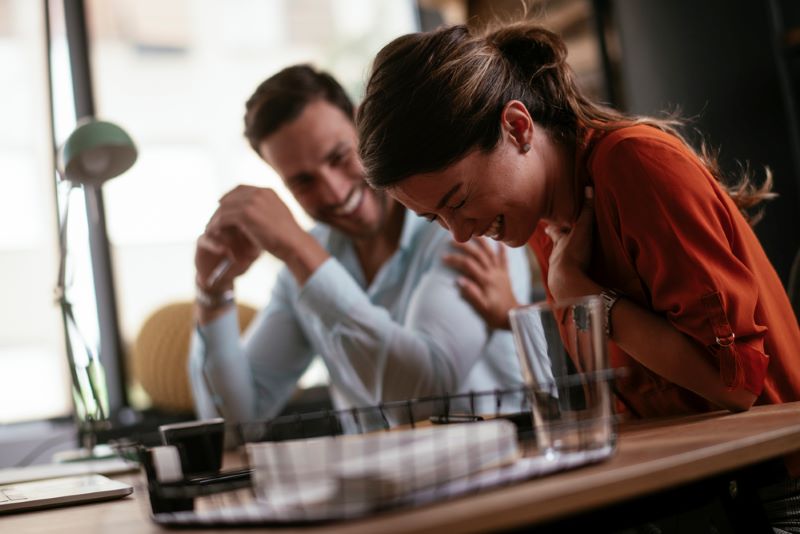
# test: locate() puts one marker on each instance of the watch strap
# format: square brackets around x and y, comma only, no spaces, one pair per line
[213,301]
[610,298]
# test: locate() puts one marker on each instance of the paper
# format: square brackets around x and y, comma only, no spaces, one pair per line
[257,513]
[346,476]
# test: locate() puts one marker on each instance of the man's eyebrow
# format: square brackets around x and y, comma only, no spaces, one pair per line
[443,202]
[304,176]
[337,148]
[299,178]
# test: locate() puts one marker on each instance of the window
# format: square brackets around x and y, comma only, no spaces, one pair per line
[34,381]
[176,76]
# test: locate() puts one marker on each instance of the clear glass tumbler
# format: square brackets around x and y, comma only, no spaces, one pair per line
[562,351]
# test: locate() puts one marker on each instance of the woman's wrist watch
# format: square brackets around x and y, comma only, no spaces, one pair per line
[610,297]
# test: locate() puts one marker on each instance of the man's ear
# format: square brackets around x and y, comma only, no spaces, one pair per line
[517,123]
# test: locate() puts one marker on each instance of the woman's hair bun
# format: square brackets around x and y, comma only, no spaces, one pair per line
[526,44]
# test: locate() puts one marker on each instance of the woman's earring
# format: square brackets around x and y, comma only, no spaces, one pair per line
[526,148]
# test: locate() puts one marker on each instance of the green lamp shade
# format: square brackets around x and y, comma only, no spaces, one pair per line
[95,152]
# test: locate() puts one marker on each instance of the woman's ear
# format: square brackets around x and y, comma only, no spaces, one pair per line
[517,123]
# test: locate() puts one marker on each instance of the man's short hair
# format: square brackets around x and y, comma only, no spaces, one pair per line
[281,98]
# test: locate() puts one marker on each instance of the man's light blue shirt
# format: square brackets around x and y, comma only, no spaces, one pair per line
[409,334]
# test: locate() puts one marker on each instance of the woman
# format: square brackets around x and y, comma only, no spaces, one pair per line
[487,133]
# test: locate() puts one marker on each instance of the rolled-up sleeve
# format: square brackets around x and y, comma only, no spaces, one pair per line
[676,226]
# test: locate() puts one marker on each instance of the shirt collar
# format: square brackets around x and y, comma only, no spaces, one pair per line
[412,225]
[586,139]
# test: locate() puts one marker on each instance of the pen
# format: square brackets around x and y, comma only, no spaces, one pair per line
[221,268]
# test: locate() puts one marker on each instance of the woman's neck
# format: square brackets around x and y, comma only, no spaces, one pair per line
[559,160]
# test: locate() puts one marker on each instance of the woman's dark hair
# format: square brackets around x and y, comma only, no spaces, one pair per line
[282,97]
[434,97]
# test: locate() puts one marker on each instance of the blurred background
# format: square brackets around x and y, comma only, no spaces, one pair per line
[175,74]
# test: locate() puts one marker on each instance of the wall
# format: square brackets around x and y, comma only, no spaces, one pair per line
[716,60]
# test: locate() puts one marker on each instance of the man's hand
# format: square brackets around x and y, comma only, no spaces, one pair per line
[485,283]
[251,219]
[237,233]
[259,215]
[215,247]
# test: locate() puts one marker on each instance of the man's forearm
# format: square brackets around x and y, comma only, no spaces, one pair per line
[303,257]
[206,315]
[221,377]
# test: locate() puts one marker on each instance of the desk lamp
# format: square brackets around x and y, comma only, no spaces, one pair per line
[94,152]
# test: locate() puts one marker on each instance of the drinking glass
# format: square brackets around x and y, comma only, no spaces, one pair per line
[562,352]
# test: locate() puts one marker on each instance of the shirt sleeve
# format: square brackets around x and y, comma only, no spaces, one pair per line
[252,377]
[376,358]
[676,225]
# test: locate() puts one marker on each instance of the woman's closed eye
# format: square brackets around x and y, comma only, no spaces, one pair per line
[432,218]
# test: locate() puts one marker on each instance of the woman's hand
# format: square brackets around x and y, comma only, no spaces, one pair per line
[485,283]
[571,254]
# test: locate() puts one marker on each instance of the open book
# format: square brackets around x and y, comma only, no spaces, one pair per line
[346,476]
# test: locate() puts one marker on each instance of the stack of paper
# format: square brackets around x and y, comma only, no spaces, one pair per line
[345,476]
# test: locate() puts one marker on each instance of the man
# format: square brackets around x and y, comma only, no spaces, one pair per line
[366,289]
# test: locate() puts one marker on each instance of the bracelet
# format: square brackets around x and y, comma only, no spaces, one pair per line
[214,300]
[610,297]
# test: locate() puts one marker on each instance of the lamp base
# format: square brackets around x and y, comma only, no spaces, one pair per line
[131,426]
[98,452]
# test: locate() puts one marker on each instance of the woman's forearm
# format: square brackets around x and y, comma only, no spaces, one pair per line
[659,346]
[655,343]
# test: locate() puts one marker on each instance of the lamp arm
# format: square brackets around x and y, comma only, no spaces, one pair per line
[69,321]
[60,289]
[61,282]
[71,361]
[92,367]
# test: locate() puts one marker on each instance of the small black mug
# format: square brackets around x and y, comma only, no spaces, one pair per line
[199,444]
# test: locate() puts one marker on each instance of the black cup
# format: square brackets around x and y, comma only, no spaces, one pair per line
[199,444]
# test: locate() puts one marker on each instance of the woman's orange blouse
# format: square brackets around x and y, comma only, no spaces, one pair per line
[668,237]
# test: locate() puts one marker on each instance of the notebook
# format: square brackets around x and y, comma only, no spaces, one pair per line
[102,466]
[59,492]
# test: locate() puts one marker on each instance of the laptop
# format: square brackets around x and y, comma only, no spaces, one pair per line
[61,491]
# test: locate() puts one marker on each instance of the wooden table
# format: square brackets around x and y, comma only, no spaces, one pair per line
[652,456]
